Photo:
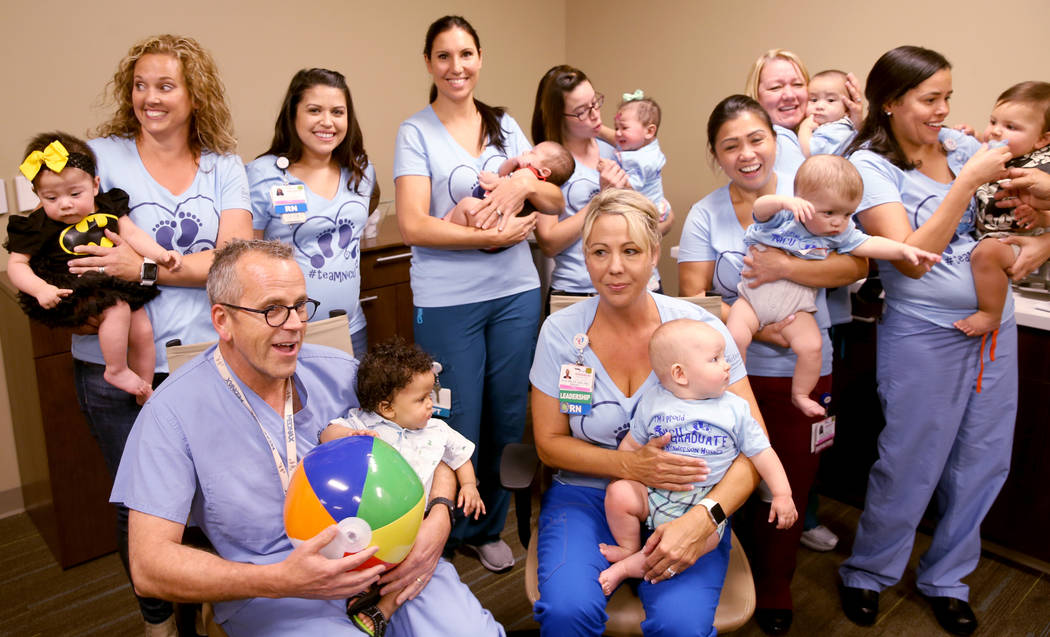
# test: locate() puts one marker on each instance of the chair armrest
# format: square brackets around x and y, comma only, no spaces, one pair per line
[517,469]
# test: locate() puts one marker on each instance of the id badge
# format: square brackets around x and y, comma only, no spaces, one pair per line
[822,435]
[575,388]
[289,202]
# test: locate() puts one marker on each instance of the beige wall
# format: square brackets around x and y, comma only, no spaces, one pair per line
[55,75]
[687,54]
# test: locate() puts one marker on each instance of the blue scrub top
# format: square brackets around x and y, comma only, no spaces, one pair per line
[443,278]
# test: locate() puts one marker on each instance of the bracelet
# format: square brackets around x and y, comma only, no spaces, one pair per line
[448,503]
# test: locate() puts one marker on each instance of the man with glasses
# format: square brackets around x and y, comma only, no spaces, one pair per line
[217,444]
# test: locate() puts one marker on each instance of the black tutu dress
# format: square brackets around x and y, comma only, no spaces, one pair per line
[50,245]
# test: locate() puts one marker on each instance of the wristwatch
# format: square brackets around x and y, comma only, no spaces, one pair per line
[448,503]
[149,271]
[718,516]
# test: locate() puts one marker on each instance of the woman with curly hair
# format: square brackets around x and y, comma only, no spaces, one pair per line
[169,145]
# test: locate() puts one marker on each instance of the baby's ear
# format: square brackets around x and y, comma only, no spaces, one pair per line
[544,172]
[678,374]
[650,131]
[385,409]
[1043,140]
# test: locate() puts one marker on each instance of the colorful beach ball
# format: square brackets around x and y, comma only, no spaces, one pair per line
[363,485]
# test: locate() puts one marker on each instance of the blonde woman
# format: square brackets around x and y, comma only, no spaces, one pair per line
[779,82]
[610,334]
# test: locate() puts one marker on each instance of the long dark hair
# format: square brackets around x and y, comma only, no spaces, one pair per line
[549,109]
[733,107]
[349,154]
[491,130]
[894,74]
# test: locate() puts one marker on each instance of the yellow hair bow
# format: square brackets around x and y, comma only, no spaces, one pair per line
[54,156]
[637,95]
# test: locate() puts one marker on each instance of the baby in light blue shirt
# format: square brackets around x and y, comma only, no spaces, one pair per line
[638,150]
[694,415]
[827,129]
[809,226]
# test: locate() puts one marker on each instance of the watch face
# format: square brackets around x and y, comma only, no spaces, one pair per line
[149,271]
[718,514]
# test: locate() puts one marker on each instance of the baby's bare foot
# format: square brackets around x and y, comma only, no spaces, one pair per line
[144,395]
[612,577]
[978,323]
[613,552]
[127,380]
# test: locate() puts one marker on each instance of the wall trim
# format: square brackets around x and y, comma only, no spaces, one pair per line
[11,502]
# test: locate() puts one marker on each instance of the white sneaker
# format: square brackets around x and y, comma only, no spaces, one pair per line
[166,628]
[495,556]
[819,538]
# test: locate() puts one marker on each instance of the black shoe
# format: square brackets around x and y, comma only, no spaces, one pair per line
[860,604]
[774,621]
[954,615]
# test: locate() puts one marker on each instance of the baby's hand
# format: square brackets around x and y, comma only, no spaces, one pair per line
[488,180]
[1028,217]
[51,296]
[171,259]
[509,166]
[470,500]
[802,209]
[809,124]
[920,257]
[783,511]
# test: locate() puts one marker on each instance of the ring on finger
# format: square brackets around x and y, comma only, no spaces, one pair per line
[671,571]
[419,580]
[499,213]
[101,269]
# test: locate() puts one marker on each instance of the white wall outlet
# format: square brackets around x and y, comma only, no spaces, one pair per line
[27,199]
[3,197]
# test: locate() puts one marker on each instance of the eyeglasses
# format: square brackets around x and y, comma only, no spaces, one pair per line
[277,315]
[585,111]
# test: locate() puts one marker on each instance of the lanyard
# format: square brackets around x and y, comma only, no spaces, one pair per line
[289,424]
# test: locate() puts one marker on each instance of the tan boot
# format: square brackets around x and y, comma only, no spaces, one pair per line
[166,628]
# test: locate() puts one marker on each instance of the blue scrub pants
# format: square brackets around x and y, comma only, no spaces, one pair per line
[485,350]
[572,523]
[941,439]
[445,607]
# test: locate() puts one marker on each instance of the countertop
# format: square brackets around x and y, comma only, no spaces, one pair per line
[388,234]
[1032,309]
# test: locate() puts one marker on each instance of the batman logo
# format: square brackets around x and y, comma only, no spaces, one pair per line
[89,231]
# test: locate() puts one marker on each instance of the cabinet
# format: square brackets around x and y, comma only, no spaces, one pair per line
[1021,514]
[386,296]
[65,482]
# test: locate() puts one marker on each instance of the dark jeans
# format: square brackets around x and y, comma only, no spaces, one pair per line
[110,413]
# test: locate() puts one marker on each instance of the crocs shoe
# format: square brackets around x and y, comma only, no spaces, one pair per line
[819,538]
[495,556]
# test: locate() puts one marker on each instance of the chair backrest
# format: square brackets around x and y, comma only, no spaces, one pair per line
[712,304]
[333,332]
